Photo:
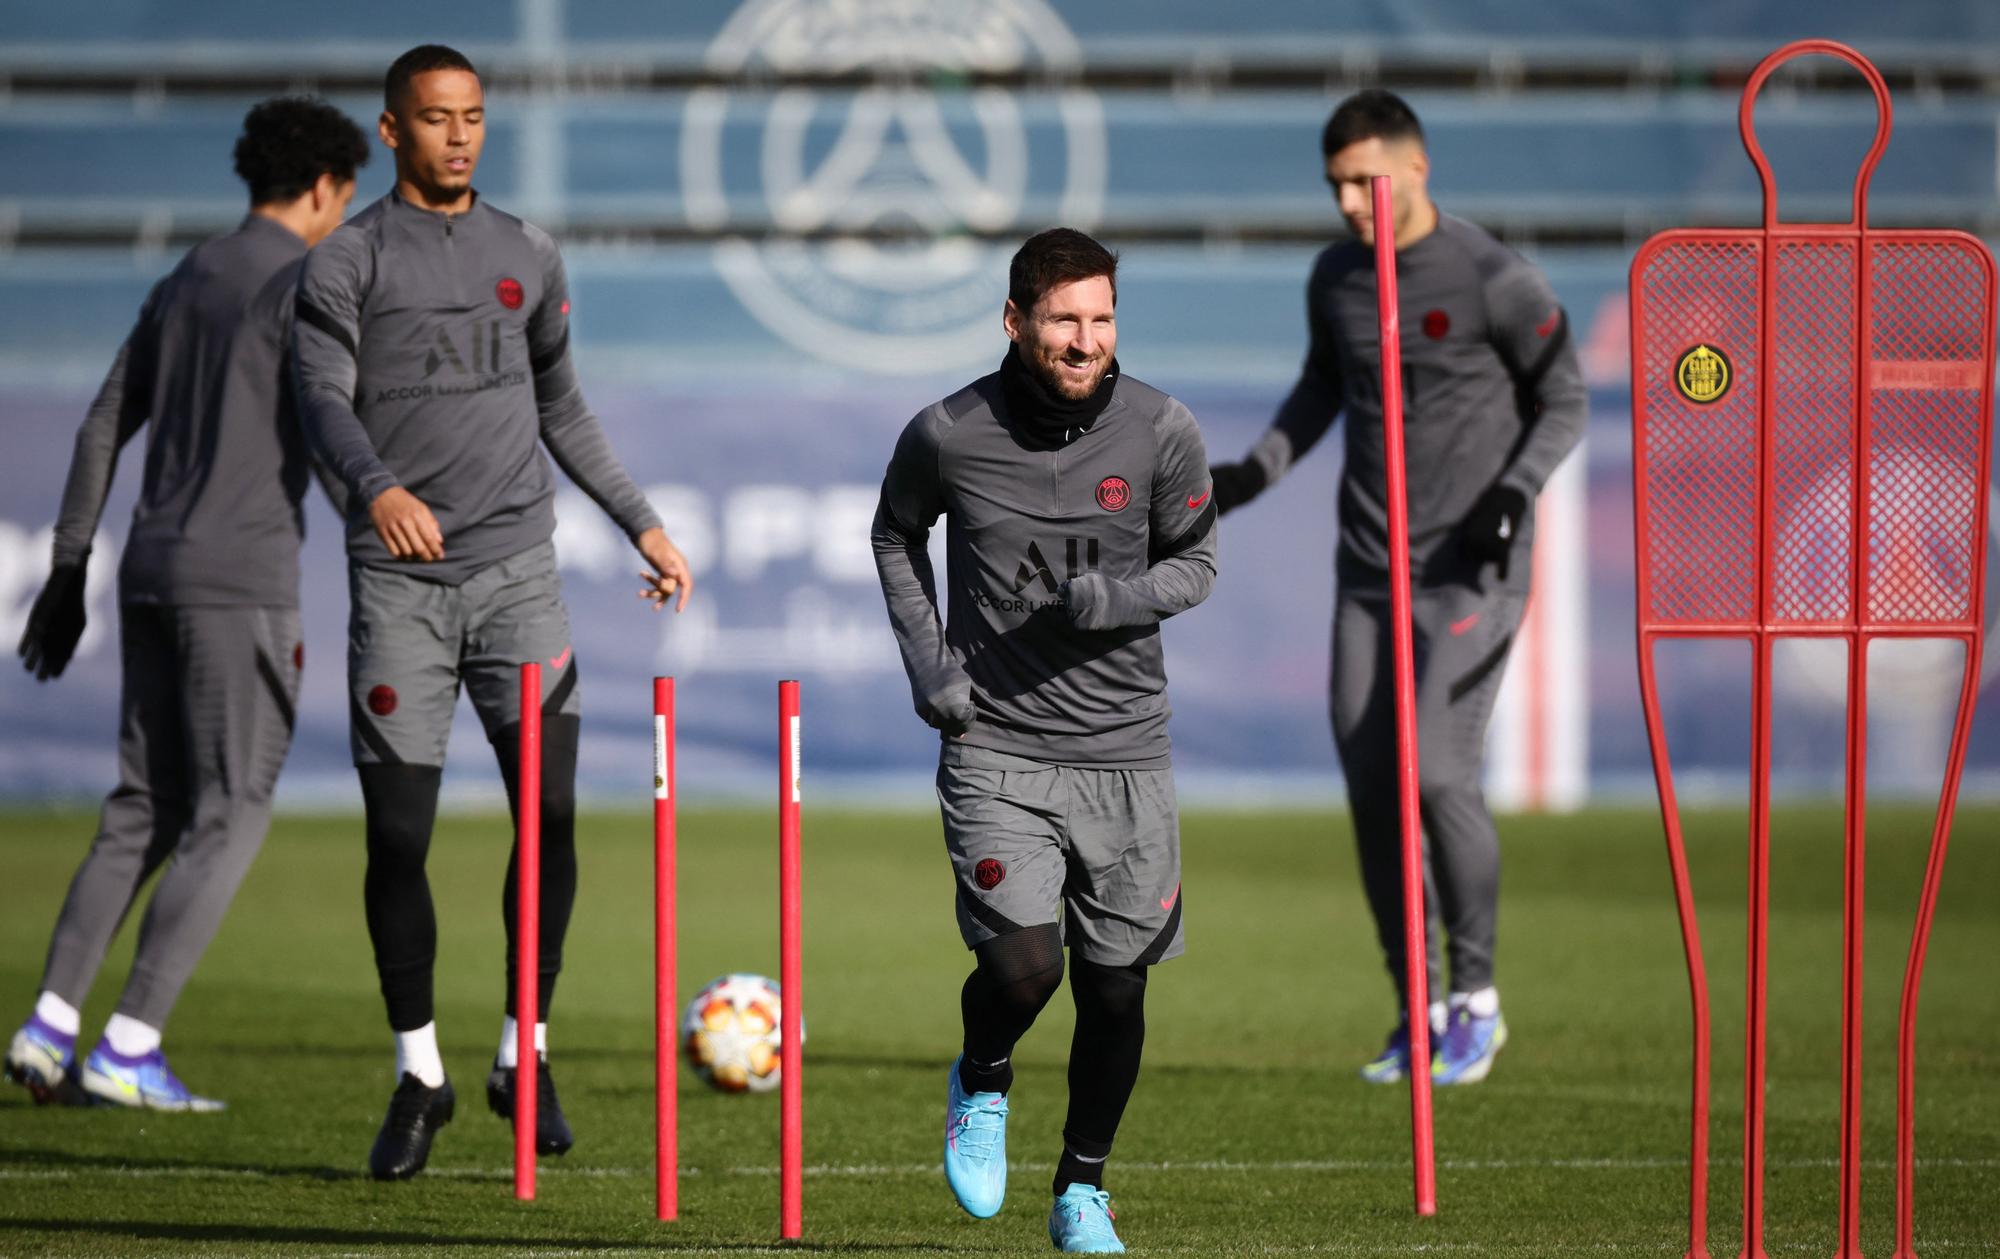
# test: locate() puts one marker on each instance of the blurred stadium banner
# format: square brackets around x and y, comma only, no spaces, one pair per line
[787,224]
[1538,747]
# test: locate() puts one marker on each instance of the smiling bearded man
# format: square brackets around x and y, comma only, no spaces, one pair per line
[1078,517]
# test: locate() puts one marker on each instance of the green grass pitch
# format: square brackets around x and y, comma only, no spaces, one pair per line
[1249,1133]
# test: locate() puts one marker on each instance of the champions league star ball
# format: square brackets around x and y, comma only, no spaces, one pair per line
[732,1034]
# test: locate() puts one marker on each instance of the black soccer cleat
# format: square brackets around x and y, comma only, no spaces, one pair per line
[416,1112]
[552,1134]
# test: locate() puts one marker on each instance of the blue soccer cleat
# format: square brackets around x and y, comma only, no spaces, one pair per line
[1080,1222]
[1471,1043]
[1392,1065]
[145,1082]
[41,1059]
[975,1148]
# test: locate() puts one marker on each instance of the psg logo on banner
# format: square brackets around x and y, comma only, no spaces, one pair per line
[877,190]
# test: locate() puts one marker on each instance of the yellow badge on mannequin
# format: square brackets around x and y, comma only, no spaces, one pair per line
[1703,374]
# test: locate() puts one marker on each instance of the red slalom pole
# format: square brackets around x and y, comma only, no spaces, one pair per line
[1416,953]
[666,1081]
[527,936]
[791,974]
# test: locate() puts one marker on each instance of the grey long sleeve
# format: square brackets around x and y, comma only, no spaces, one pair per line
[1182,569]
[326,370]
[569,428]
[912,500]
[118,412]
[1552,398]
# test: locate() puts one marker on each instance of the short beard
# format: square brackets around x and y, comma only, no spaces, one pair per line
[1061,388]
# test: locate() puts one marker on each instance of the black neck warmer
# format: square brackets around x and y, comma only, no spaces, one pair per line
[1042,413]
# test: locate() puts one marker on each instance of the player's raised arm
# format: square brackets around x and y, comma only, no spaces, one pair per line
[912,500]
[1181,554]
[1304,417]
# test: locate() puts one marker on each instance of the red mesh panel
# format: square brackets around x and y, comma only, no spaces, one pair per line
[1701,460]
[1812,458]
[1928,392]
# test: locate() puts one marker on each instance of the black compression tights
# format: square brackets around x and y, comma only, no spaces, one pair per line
[559,739]
[401,804]
[1103,1065]
[1016,975]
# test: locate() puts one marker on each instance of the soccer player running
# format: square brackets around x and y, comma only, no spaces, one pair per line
[1493,401]
[1078,517]
[208,594]
[433,364]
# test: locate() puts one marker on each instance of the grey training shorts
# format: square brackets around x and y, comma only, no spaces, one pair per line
[411,642]
[1097,851]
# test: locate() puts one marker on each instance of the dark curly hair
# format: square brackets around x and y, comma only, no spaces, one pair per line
[288,142]
[419,60]
[1056,257]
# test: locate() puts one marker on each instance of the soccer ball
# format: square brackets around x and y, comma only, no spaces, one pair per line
[732,1034]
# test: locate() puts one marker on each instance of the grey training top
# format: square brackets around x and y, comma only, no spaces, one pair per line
[1061,564]
[1492,392]
[432,352]
[218,518]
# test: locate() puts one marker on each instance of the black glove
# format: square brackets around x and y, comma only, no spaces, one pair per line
[54,624]
[1489,530]
[1236,484]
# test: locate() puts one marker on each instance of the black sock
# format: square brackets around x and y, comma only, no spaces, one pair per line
[985,1077]
[1082,1163]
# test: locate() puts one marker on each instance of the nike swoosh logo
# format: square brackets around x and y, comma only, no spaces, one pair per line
[1458,628]
[1195,501]
[561,660]
[1168,903]
[1548,325]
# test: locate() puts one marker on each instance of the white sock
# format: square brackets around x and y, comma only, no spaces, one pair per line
[417,1054]
[509,1056]
[59,1014]
[1439,1014]
[131,1038]
[1484,1004]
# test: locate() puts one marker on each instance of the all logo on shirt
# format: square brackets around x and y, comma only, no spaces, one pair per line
[509,292]
[1079,557]
[483,340]
[1113,492]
